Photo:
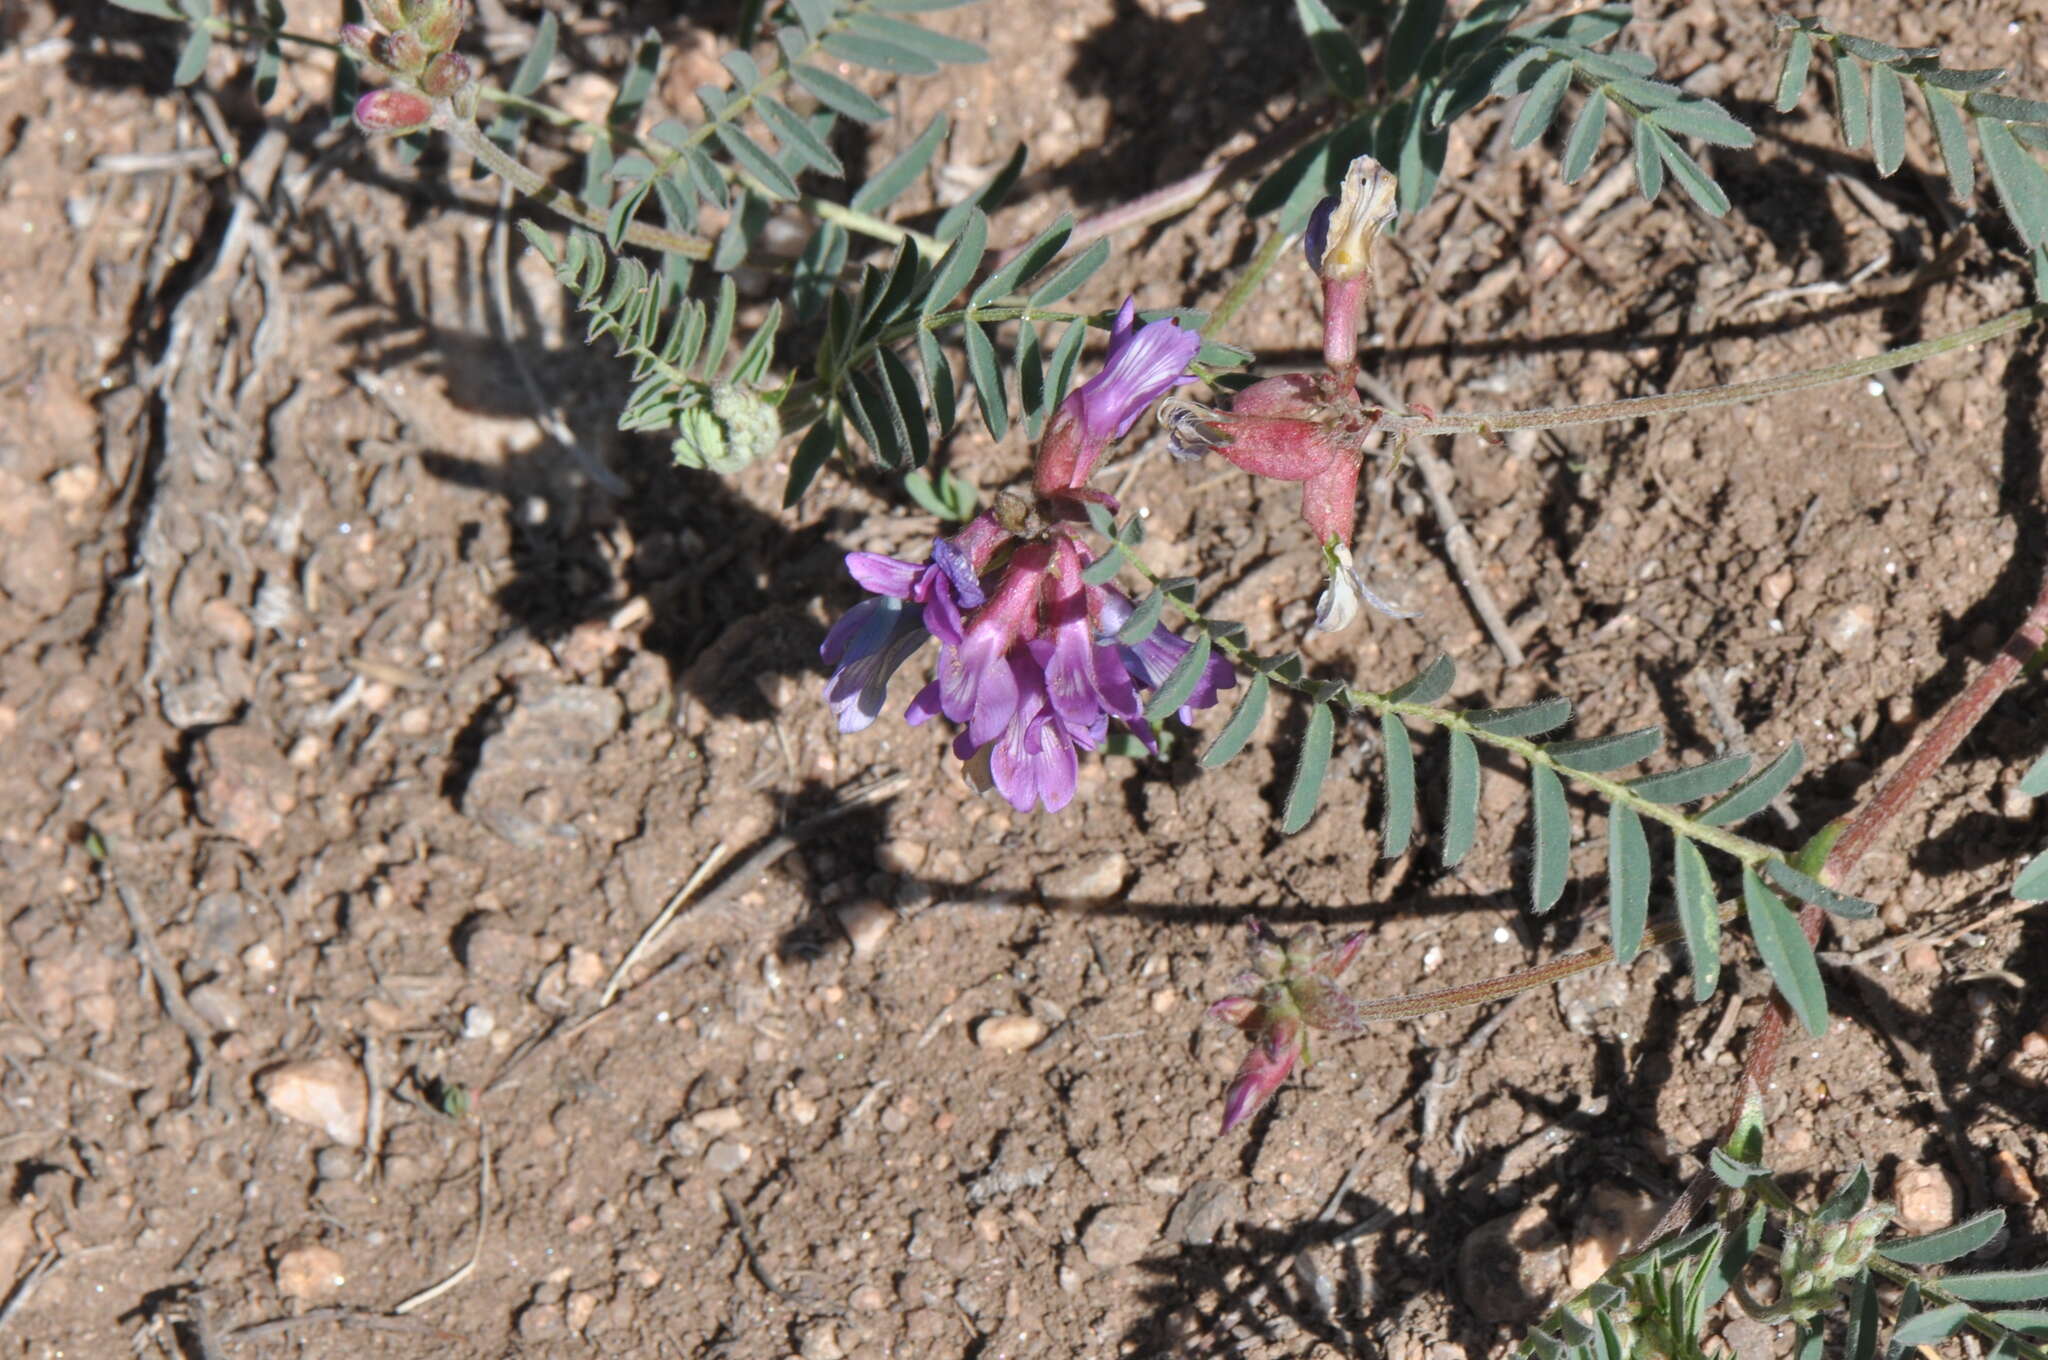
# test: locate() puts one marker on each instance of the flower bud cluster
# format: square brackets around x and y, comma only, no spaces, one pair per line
[1818,1256]
[1288,992]
[428,78]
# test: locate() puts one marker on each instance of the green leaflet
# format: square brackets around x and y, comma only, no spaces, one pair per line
[1397,818]
[1244,720]
[1998,1286]
[1628,881]
[1461,804]
[1887,119]
[1597,755]
[1948,1244]
[1181,683]
[1432,684]
[1692,782]
[1809,889]
[1786,953]
[1526,721]
[1550,820]
[1792,80]
[1306,789]
[1759,791]
[1699,915]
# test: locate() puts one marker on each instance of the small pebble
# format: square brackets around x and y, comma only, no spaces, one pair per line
[1164,1000]
[865,922]
[327,1093]
[586,968]
[794,1107]
[259,958]
[724,1119]
[1613,1221]
[1009,1033]
[310,1272]
[2010,1181]
[1119,1235]
[1848,628]
[477,1023]
[1922,958]
[582,1306]
[901,856]
[1775,588]
[1093,881]
[726,1156]
[219,1006]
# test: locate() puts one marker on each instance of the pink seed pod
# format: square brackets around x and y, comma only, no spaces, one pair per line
[390,113]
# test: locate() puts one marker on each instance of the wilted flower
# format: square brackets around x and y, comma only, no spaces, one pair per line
[1342,230]
[1294,991]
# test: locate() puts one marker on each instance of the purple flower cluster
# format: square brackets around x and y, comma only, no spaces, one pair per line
[1029,662]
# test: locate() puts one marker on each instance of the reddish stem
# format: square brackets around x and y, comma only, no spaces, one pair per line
[1940,740]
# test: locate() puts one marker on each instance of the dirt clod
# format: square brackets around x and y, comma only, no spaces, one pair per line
[866,923]
[1202,1214]
[1119,1235]
[1094,880]
[1926,1196]
[1509,1268]
[1610,1225]
[243,786]
[2010,1181]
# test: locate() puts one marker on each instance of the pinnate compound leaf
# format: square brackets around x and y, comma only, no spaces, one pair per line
[1550,819]
[1306,789]
[1334,50]
[1887,119]
[988,380]
[1628,881]
[1792,80]
[1998,1286]
[1692,782]
[889,183]
[1785,952]
[1759,791]
[1596,755]
[1807,888]
[1585,136]
[1699,916]
[1397,817]
[837,95]
[1461,803]
[1936,1324]
[1244,720]
[1950,1244]
[1528,720]
[2034,783]
[2032,884]
[1181,683]
[1432,684]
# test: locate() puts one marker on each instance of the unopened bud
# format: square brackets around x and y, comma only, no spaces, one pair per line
[401,52]
[439,25]
[359,42]
[387,113]
[445,74]
[737,427]
[386,13]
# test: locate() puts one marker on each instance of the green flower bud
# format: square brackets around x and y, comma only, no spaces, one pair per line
[735,429]
[439,25]
[386,13]
[446,74]
[400,51]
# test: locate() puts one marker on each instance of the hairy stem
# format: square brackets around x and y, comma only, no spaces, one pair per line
[1488,423]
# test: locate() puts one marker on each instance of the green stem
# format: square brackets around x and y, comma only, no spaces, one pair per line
[1488,423]
[501,163]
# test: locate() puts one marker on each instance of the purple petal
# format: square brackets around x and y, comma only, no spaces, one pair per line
[1141,366]
[978,685]
[875,638]
[959,572]
[881,575]
[1034,762]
